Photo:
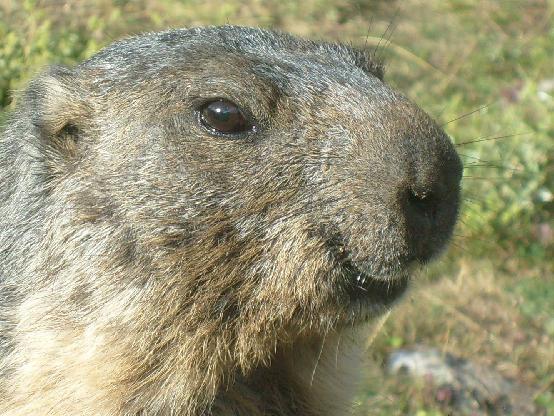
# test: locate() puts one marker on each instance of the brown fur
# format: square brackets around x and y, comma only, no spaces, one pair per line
[149,266]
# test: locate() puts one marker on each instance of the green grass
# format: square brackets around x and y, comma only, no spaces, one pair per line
[452,57]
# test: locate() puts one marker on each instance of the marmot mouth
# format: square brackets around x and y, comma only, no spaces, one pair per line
[376,292]
[369,293]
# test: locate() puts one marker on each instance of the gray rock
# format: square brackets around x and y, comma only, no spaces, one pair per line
[466,387]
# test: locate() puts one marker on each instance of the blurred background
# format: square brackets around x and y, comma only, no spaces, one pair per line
[484,69]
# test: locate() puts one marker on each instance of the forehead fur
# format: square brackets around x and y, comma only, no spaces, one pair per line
[173,46]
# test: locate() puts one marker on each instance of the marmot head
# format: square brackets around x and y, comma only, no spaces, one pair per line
[245,179]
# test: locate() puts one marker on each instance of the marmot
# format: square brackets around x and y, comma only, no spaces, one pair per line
[197,221]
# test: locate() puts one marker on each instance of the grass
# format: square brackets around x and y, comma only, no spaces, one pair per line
[484,69]
[502,319]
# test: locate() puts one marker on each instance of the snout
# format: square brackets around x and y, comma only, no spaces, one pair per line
[407,192]
[398,198]
[420,196]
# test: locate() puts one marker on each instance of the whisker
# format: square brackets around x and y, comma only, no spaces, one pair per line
[368,30]
[485,166]
[483,177]
[472,200]
[472,157]
[319,355]
[473,238]
[459,246]
[488,138]
[485,162]
[387,36]
[466,114]
[473,212]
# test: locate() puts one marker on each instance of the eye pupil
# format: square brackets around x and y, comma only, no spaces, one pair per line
[224,117]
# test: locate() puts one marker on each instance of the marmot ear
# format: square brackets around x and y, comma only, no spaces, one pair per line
[59,108]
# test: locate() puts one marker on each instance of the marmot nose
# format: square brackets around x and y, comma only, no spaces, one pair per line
[421,206]
[429,203]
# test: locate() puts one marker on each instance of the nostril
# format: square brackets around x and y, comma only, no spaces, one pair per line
[430,214]
[423,204]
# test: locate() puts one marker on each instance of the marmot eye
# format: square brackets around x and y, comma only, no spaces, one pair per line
[224,117]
